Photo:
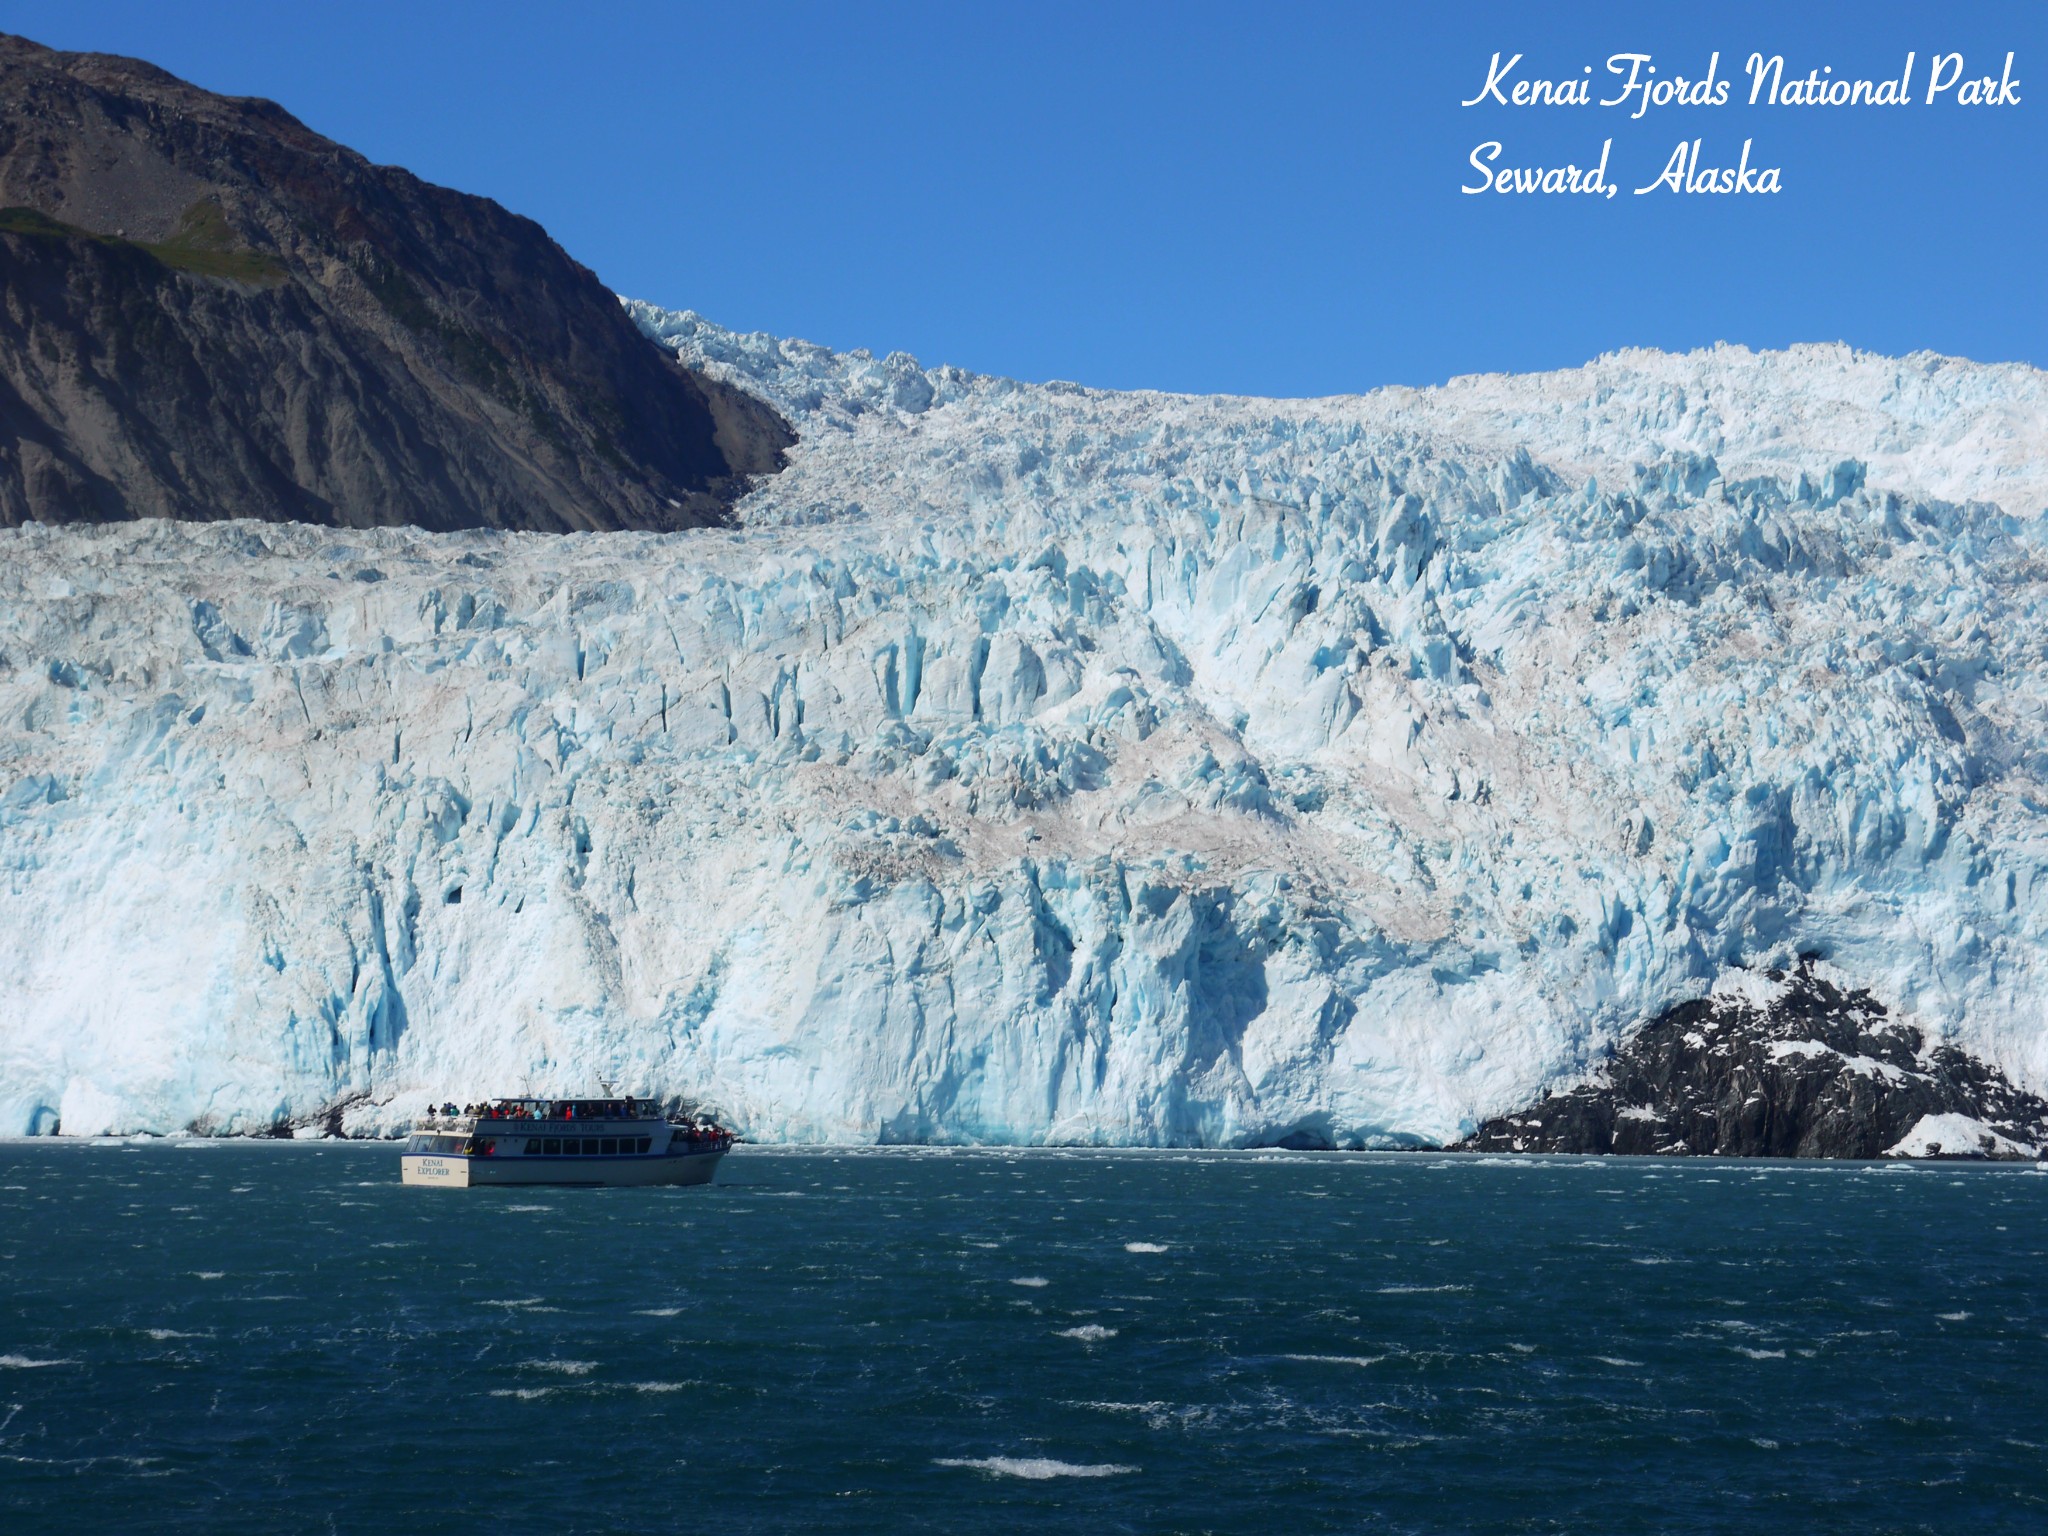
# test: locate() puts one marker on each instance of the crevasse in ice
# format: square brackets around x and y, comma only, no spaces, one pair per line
[1044,764]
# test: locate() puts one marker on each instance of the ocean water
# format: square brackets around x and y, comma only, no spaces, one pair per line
[279,1338]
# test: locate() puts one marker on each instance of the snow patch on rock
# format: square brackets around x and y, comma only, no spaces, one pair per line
[1957,1136]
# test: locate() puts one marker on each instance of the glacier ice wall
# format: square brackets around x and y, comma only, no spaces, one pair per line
[1045,764]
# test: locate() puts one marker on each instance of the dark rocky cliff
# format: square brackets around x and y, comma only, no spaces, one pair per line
[209,311]
[1802,1068]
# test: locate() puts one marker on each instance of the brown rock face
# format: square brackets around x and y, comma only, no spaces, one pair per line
[209,311]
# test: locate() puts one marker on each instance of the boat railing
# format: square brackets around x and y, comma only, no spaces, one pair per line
[487,1125]
[568,1125]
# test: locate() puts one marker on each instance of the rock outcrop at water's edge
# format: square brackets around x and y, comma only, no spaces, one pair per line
[1782,1064]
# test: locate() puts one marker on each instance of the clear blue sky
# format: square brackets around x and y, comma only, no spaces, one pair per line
[1189,196]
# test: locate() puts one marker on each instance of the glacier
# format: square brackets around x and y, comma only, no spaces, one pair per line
[1041,764]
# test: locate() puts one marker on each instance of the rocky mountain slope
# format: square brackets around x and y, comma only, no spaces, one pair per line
[1782,1064]
[209,311]
[1035,763]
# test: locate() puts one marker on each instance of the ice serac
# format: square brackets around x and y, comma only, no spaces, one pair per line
[1042,764]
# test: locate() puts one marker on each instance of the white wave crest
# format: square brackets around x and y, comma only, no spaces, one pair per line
[1419,1290]
[1036,1468]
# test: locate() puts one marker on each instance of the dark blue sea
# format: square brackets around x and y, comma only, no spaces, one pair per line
[279,1338]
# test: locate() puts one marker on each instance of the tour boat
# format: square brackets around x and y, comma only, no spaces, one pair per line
[560,1141]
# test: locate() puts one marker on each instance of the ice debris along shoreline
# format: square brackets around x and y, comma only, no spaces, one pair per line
[1039,764]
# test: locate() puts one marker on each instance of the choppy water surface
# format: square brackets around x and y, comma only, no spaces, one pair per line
[232,1338]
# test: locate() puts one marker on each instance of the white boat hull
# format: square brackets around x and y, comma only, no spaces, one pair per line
[454,1171]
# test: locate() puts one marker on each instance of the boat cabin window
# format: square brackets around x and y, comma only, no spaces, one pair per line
[534,1146]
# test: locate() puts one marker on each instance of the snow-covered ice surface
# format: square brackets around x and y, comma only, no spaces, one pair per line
[1958,1136]
[1045,764]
